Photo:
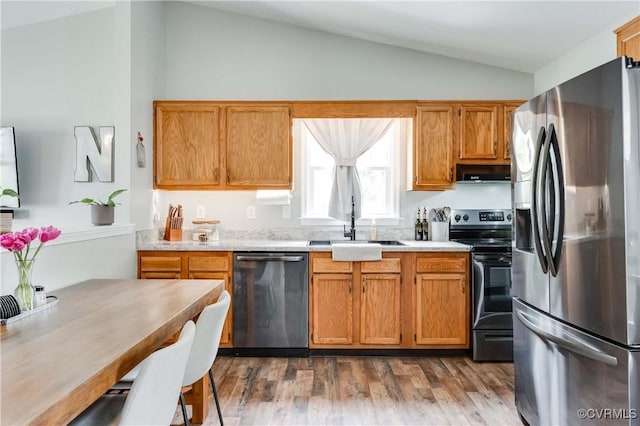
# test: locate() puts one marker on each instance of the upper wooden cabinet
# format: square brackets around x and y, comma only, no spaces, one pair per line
[484,132]
[433,148]
[628,37]
[478,137]
[190,136]
[186,146]
[507,130]
[259,147]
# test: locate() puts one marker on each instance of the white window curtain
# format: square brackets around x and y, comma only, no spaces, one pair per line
[345,140]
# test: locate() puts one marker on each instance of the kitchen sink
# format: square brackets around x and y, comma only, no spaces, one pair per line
[329,242]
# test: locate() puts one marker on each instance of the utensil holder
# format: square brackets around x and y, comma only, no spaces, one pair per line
[439,231]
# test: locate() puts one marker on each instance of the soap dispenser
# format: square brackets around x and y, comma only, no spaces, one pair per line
[373,232]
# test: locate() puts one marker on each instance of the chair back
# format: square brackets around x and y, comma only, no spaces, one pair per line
[207,339]
[156,389]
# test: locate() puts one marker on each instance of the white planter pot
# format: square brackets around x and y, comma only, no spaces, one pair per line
[102,215]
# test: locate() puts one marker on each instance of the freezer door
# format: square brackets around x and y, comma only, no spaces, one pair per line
[588,287]
[565,376]
[529,265]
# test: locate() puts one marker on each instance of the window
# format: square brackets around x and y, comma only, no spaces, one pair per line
[378,169]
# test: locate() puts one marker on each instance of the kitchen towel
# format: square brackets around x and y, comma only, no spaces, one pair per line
[356,251]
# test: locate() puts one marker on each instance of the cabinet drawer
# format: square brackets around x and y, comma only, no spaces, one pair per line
[160,263]
[328,265]
[384,265]
[209,263]
[441,264]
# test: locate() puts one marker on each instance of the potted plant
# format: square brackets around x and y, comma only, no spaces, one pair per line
[101,212]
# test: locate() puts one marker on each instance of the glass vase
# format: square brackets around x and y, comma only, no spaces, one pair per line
[25,292]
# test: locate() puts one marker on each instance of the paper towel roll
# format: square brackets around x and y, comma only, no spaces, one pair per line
[276,197]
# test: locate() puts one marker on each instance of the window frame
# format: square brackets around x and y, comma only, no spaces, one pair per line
[402,130]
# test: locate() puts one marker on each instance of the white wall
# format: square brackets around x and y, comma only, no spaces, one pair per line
[218,55]
[148,77]
[56,75]
[594,51]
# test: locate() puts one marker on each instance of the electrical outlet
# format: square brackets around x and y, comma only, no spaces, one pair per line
[200,212]
[251,212]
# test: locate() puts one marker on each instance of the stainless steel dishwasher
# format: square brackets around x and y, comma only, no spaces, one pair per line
[270,304]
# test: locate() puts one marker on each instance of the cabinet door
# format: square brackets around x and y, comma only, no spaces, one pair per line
[628,37]
[159,265]
[332,309]
[433,148]
[478,132]
[507,130]
[442,310]
[186,146]
[380,309]
[225,338]
[259,153]
[160,275]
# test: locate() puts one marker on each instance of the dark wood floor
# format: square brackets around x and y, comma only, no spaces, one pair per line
[363,391]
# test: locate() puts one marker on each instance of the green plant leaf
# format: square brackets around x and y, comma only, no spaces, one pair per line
[10,192]
[99,202]
[85,201]
[113,195]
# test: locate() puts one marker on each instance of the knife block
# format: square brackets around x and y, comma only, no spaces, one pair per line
[172,234]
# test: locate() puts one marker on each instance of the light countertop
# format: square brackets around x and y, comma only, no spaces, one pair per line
[288,245]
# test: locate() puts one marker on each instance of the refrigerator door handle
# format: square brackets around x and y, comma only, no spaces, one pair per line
[572,344]
[545,231]
[558,175]
[542,259]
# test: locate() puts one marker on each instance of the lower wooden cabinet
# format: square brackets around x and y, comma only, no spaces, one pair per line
[367,305]
[191,265]
[442,302]
[355,304]
[332,309]
[380,309]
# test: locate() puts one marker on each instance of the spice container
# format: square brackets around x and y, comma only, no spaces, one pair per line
[40,296]
[205,230]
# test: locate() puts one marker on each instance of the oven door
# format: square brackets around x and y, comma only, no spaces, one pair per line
[492,291]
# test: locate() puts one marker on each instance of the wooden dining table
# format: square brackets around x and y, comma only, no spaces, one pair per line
[57,362]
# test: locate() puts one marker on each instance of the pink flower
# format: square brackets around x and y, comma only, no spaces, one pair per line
[7,241]
[29,234]
[48,233]
[20,241]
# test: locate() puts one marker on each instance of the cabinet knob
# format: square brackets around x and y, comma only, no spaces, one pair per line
[228,175]
[216,174]
[495,147]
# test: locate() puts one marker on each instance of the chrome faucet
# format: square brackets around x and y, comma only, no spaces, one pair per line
[352,232]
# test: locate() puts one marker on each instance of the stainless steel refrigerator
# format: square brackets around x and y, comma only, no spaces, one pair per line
[576,258]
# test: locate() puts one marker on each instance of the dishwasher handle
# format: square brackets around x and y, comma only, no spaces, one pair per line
[271,258]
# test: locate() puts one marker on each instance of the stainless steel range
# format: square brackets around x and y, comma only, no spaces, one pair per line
[489,233]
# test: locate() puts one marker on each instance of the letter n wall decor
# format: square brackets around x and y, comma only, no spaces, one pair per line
[94,155]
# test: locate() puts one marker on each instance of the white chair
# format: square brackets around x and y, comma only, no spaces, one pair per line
[203,352]
[153,394]
[205,348]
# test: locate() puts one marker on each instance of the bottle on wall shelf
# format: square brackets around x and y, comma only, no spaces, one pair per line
[418,226]
[373,232]
[425,225]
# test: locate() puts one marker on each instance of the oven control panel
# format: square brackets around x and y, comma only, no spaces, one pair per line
[481,217]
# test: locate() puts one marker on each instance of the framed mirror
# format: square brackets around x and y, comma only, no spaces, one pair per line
[8,167]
